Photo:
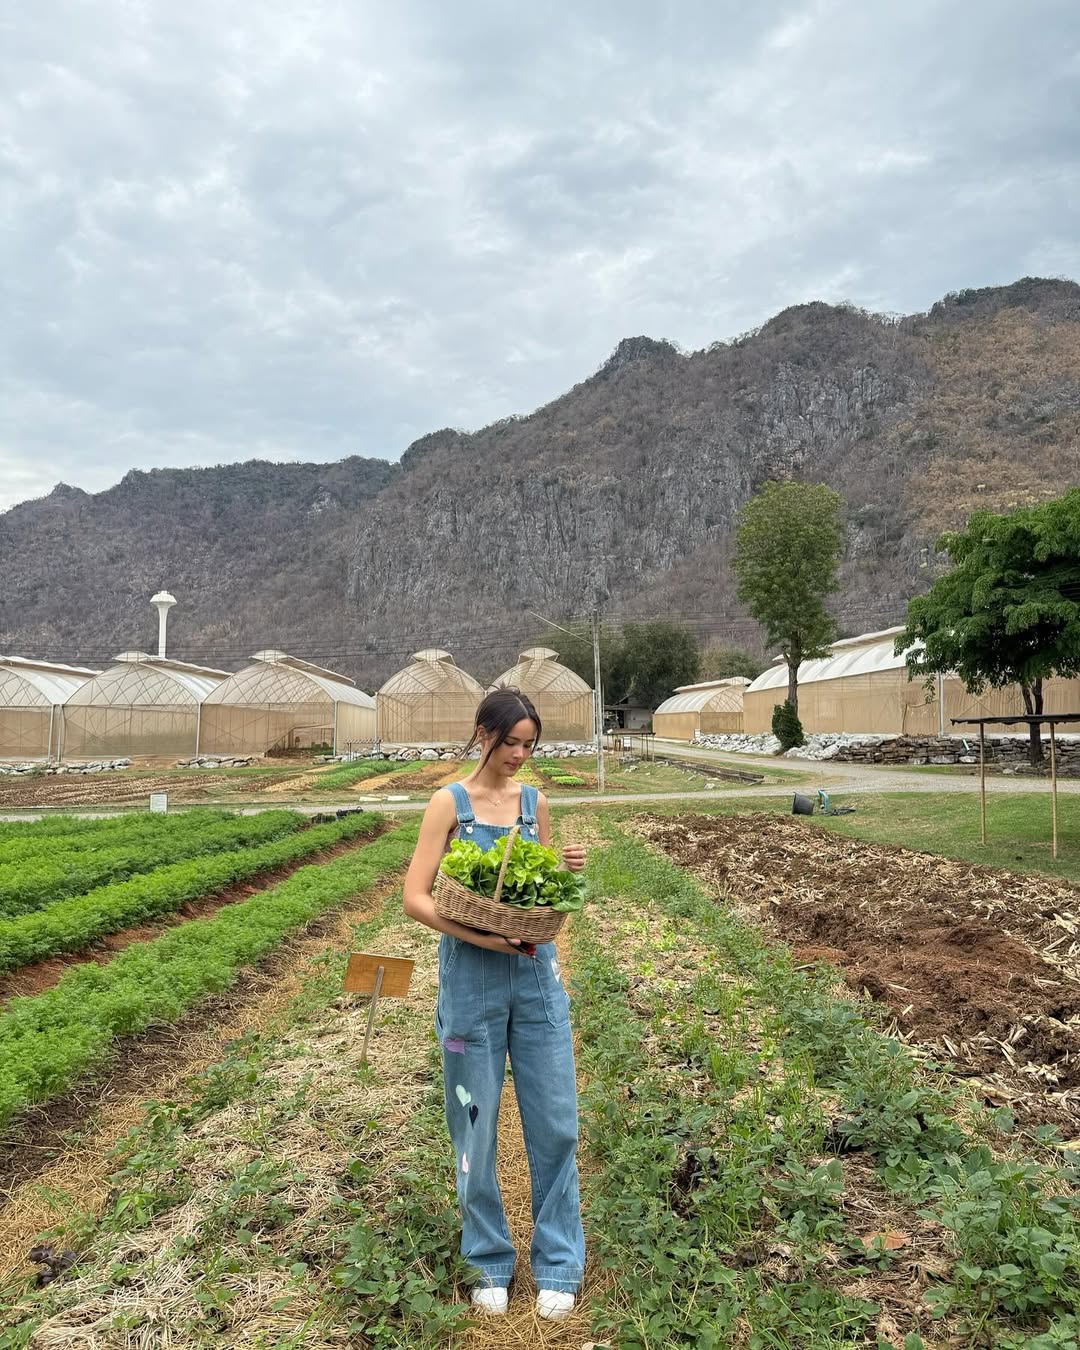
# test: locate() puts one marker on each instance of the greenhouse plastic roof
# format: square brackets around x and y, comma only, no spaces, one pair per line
[279,679]
[867,655]
[539,671]
[273,657]
[431,672]
[160,672]
[39,683]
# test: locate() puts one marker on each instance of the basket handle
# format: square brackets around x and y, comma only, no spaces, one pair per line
[505,859]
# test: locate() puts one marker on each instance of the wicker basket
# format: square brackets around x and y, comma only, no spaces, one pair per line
[489,914]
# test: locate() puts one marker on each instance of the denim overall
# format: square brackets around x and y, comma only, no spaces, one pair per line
[490,1004]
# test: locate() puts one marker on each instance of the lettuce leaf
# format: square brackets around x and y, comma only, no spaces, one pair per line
[533,874]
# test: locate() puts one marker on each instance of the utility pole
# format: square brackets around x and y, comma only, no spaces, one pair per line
[598,695]
[598,701]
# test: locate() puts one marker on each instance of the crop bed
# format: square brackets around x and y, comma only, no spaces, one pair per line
[63,869]
[48,1040]
[975,966]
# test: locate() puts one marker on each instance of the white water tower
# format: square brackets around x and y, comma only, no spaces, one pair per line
[162,602]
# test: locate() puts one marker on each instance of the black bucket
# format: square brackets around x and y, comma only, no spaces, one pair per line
[802,806]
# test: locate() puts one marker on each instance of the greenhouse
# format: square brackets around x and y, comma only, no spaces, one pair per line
[32,696]
[141,705]
[862,687]
[282,703]
[431,701]
[715,706]
[562,699]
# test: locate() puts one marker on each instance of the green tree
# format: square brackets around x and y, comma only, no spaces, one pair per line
[653,659]
[643,664]
[722,662]
[788,541]
[1008,610]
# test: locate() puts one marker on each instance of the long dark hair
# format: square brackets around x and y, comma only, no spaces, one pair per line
[499,712]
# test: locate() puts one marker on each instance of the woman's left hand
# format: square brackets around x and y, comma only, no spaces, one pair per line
[573,856]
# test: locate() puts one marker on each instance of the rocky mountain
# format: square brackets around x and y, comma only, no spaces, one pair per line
[625,487]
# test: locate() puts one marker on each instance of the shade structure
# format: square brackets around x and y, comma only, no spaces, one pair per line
[141,705]
[862,687]
[32,696]
[562,699]
[713,706]
[431,701]
[282,703]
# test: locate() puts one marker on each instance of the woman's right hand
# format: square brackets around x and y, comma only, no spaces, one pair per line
[494,942]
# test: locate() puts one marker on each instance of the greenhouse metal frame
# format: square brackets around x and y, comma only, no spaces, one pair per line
[712,707]
[563,700]
[862,687]
[141,705]
[32,698]
[280,702]
[431,701]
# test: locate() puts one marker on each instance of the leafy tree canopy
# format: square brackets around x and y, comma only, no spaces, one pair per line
[788,542]
[723,662]
[644,664]
[1008,610]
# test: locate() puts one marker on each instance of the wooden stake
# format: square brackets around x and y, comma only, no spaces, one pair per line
[1053,783]
[371,1012]
[982,778]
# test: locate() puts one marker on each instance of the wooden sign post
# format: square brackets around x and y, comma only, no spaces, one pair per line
[379,976]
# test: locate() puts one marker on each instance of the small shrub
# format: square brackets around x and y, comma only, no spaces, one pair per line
[786,726]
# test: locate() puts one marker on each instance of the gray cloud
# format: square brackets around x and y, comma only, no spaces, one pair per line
[304,233]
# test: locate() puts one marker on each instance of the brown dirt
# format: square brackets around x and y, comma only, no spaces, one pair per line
[121,789]
[42,975]
[976,964]
[427,776]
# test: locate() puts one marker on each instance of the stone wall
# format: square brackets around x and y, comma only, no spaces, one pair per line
[1004,753]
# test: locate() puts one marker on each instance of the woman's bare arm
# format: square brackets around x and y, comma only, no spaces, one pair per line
[439,819]
[573,855]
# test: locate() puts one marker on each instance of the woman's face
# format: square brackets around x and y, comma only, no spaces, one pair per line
[516,746]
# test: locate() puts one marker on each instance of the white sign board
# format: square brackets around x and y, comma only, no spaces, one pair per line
[159,802]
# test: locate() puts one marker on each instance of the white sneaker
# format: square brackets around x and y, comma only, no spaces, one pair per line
[554,1304]
[493,1301]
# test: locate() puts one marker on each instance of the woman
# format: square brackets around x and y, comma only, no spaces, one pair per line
[499,996]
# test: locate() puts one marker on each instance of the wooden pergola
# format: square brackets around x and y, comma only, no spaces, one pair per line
[1054,720]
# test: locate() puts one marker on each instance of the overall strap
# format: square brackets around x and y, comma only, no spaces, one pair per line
[462,804]
[528,804]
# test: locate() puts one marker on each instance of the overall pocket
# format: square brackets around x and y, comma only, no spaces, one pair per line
[556,1000]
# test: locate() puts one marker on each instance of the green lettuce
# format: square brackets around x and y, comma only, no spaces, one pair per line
[533,875]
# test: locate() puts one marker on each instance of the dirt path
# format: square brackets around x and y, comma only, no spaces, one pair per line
[840,777]
[979,967]
[521,1327]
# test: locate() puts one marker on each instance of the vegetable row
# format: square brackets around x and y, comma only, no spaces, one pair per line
[73,924]
[31,885]
[356,771]
[130,828]
[48,1041]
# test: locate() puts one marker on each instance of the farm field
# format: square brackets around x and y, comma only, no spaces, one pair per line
[177,931]
[807,1118]
[306,782]
[132,787]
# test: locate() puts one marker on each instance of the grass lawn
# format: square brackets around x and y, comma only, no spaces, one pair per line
[656,775]
[947,823]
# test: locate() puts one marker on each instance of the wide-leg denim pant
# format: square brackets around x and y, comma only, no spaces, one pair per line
[491,1005]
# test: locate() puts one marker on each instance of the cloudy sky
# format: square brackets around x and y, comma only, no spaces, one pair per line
[306,230]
